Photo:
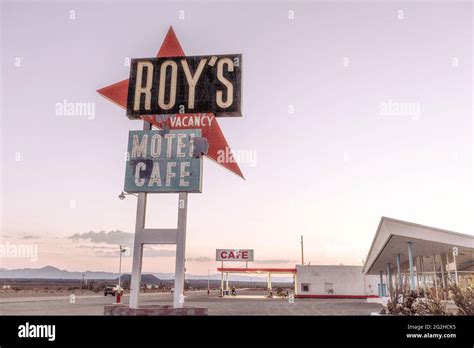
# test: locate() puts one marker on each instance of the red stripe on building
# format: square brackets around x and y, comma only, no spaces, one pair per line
[257,270]
[326,296]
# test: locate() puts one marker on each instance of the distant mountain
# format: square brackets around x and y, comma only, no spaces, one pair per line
[50,272]
[146,278]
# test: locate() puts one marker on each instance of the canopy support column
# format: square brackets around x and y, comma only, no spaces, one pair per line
[410,261]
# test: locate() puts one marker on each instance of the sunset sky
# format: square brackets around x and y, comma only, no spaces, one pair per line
[350,112]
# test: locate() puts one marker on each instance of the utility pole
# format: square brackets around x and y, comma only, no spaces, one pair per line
[302,251]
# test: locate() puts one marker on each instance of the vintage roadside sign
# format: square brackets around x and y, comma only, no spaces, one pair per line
[234,254]
[163,161]
[118,94]
[182,96]
[190,84]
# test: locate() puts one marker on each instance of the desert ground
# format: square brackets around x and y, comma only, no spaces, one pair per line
[247,302]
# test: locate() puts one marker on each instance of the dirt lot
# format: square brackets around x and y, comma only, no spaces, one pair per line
[246,303]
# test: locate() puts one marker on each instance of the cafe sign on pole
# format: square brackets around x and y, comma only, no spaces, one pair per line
[182,96]
[159,161]
[234,255]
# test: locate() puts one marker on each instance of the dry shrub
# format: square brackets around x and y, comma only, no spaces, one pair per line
[463,299]
[415,302]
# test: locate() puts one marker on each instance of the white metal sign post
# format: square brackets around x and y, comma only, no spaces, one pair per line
[178,295]
[159,236]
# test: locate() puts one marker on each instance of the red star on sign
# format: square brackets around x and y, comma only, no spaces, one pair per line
[219,150]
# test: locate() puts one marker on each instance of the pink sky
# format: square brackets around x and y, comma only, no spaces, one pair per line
[325,160]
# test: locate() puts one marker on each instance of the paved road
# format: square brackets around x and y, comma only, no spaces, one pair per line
[94,305]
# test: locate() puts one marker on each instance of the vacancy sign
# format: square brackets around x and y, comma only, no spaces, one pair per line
[163,161]
[185,85]
[234,255]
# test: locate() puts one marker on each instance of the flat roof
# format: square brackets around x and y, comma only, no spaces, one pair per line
[393,235]
[256,270]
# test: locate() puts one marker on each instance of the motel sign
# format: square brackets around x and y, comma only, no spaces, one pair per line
[163,161]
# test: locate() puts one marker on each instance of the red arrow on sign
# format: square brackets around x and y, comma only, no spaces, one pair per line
[219,150]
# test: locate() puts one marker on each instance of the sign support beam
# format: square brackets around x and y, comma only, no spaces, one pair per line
[138,245]
[222,279]
[178,295]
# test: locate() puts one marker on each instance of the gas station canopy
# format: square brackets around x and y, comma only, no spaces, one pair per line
[393,236]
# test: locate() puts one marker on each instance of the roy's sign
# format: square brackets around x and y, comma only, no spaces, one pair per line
[234,255]
[164,161]
[185,85]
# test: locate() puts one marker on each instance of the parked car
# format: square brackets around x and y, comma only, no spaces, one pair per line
[112,289]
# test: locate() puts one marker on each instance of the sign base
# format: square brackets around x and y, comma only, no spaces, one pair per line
[152,310]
